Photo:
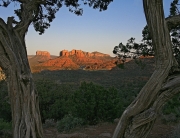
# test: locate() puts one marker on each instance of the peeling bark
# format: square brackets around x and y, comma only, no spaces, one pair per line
[139,117]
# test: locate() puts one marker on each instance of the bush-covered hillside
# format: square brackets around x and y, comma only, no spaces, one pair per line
[75,98]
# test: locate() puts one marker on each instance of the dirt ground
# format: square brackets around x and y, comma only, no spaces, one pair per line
[105,130]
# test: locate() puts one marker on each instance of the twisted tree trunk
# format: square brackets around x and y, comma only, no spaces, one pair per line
[139,117]
[26,118]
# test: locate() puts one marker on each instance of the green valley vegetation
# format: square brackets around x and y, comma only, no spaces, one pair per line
[67,104]
[13,58]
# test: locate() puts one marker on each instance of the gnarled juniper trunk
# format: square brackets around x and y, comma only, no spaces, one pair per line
[139,117]
[26,118]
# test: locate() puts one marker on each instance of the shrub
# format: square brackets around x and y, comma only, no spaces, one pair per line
[4,125]
[5,110]
[54,99]
[69,122]
[172,107]
[94,103]
[169,118]
[49,123]
[5,128]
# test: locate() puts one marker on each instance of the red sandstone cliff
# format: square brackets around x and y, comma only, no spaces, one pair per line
[59,63]
[43,53]
[40,57]
[80,53]
[72,60]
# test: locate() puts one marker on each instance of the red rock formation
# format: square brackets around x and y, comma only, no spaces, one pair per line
[64,53]
[43,53]
[72,52]
[59,63]
[88,54]
[72,60]
[98,54]
[80,53]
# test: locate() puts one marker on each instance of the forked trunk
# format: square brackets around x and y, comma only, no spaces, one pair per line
[139,117]
[26,118]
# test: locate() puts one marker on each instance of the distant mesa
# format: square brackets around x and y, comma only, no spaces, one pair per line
[80,53]
[71,60]
[41,56]
[43,53]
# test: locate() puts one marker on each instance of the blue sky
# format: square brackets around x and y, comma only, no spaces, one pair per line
[93,31]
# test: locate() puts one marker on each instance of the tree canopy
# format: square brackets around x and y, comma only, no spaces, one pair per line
[42,12]
[132,49]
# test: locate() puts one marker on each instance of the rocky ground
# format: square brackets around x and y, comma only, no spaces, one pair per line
[105,130]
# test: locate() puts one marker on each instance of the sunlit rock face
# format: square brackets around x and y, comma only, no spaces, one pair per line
[43,53]
[71,60]
[59,63]
[80,53]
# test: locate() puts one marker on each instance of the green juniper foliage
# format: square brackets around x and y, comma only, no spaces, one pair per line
[5,109]
[145,48]
[69,122]
[5,129]
[54,99]
[45,11]
[94,103]
[87,104]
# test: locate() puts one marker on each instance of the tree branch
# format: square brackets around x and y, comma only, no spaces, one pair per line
[29,10]
[4,61]
[6,43]
[173,21]
[21,1]
[3,24]
[26,18]
[37,1]
[143,118]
